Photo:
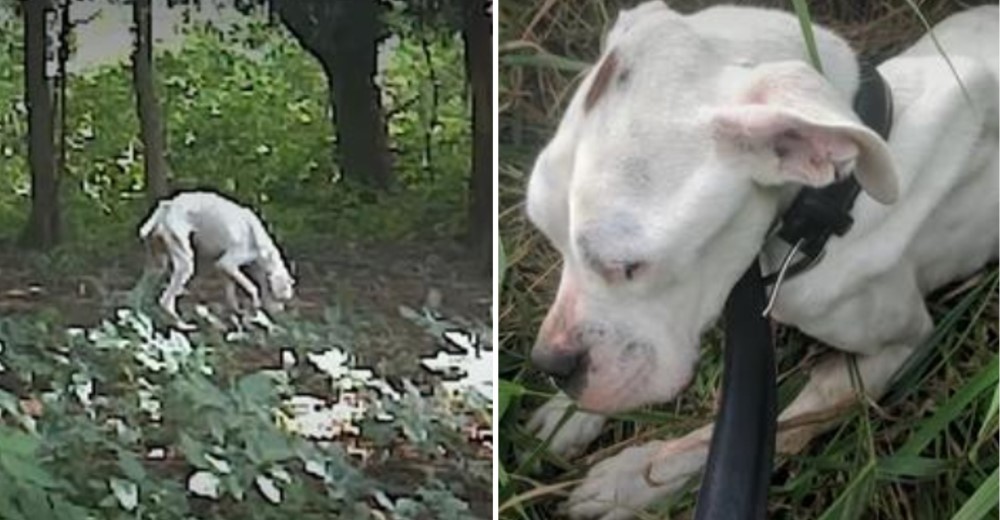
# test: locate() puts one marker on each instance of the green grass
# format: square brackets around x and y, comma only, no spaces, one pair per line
[928,450]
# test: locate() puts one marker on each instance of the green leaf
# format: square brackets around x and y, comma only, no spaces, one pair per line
[982,501]
[506,392]
[910,466]
[67,511]
[34,503]
[194,452]
[130,466]
[17,443]
[7,495]
[8,402]
[265,446]
[234,487]
[26,471]
[126,491]
[255,388]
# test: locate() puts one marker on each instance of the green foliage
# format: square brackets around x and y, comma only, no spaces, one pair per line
[13,127]
[131,415]
[247,112]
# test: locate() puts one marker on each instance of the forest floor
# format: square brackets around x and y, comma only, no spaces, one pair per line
[363,285]
[368,283]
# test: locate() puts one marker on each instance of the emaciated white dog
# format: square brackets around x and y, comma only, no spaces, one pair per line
[681,148]
[229,235]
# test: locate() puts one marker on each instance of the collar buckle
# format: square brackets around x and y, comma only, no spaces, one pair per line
[816,214]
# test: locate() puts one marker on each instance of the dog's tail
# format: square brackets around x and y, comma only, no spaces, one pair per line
[154,220]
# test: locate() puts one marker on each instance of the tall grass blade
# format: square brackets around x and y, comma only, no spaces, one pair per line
[853,501]
[982,501]
[541,60]
[912,373]
[805,21]
[990,422]
[501,262]
[930,31]
[947,412]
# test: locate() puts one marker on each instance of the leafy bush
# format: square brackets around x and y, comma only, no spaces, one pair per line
[123,420]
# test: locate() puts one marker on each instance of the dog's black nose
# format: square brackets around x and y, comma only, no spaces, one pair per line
[556,362]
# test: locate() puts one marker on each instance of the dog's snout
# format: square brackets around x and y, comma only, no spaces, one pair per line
[555,361]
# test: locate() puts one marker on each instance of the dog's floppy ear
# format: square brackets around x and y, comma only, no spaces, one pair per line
[790,110]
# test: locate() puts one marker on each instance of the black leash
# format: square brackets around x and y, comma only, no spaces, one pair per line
[738,472]
[740,458]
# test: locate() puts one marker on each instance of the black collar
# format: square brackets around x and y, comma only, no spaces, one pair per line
[818,213]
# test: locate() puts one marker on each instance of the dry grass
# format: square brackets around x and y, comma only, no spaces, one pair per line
[544,46]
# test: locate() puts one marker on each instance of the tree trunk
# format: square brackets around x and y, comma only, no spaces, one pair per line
[61,86]
[344,36]
[362,144]
[477,34]
[42,230]
[147,105]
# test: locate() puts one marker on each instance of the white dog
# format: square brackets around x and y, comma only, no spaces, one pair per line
[228,234]
[681,148]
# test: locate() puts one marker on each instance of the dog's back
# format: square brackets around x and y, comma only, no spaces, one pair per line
[951,204]
[210,222]
[971,33]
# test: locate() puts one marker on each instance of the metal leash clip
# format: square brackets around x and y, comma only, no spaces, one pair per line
[785,264]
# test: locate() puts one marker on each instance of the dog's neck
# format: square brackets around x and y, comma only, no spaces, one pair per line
[773,250]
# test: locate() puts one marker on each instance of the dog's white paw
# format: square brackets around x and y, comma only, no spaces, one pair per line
[575,434]
[621,486]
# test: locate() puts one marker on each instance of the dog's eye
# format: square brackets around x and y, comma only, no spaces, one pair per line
[618,272]
[632,269]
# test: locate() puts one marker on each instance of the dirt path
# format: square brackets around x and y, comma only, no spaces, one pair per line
[366,282]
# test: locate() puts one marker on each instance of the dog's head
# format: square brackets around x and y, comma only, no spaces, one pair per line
[658,189]
[281,282]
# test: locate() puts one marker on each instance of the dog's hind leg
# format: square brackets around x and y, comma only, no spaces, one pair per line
[182,268]
[831,391]
[636,477]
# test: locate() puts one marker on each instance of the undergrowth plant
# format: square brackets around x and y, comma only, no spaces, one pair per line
[128,420]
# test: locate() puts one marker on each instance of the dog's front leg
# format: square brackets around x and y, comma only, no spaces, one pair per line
[568,438]
[621,486]
[624,484]
[259,277]
[231,299]
[229,264]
